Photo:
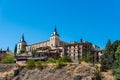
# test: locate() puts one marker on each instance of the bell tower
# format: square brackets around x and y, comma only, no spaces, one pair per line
[55,38]
[21,45]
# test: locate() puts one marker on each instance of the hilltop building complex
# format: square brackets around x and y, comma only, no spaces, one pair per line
[55,48]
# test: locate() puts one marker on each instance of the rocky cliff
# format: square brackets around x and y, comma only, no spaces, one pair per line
[82,71]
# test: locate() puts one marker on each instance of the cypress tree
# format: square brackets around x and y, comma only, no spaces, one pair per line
[107,57]
[15,50]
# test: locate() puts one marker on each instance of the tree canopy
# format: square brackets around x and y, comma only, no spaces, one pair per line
[107,57]
[117,63]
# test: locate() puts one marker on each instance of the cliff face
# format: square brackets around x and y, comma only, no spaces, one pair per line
[8,70]
[69,72]
[82,71]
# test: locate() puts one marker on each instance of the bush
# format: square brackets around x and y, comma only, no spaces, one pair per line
[30,63]
[39,65]
[59,64]
[8,59]
[51,60]
[65,59]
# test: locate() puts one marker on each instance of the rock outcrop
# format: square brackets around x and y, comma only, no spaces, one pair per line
[83,71]
[8,71]
[69,72]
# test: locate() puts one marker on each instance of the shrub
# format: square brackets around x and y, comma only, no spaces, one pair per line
[30,63]
[59,64]
[8,59]
[65,59]
[60,60]
[39,65]
[51,60]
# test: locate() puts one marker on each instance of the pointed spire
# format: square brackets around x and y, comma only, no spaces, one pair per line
[81,40]
[22,39]
[55,30]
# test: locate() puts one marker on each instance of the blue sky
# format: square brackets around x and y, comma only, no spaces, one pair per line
[95,20]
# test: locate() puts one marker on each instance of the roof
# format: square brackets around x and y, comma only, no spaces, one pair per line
[77,43]
[39,43]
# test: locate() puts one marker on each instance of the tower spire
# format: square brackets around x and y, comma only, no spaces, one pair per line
[55,30]
[22,39]
[81,40]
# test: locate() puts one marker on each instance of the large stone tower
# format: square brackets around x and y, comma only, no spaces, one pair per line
[54,39]
[21,45]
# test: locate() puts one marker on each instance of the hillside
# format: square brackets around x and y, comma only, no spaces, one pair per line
[82,71]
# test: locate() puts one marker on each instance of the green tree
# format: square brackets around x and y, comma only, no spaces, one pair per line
[15,50]
[30,63]
[8,60]
[117,64]
[107,57]
[115,45]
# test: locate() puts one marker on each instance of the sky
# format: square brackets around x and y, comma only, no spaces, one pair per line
[95,21]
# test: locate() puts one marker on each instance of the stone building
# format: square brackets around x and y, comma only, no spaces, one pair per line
[48,52]
[52,48]
[55,48]
[78,49]
[53,43]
